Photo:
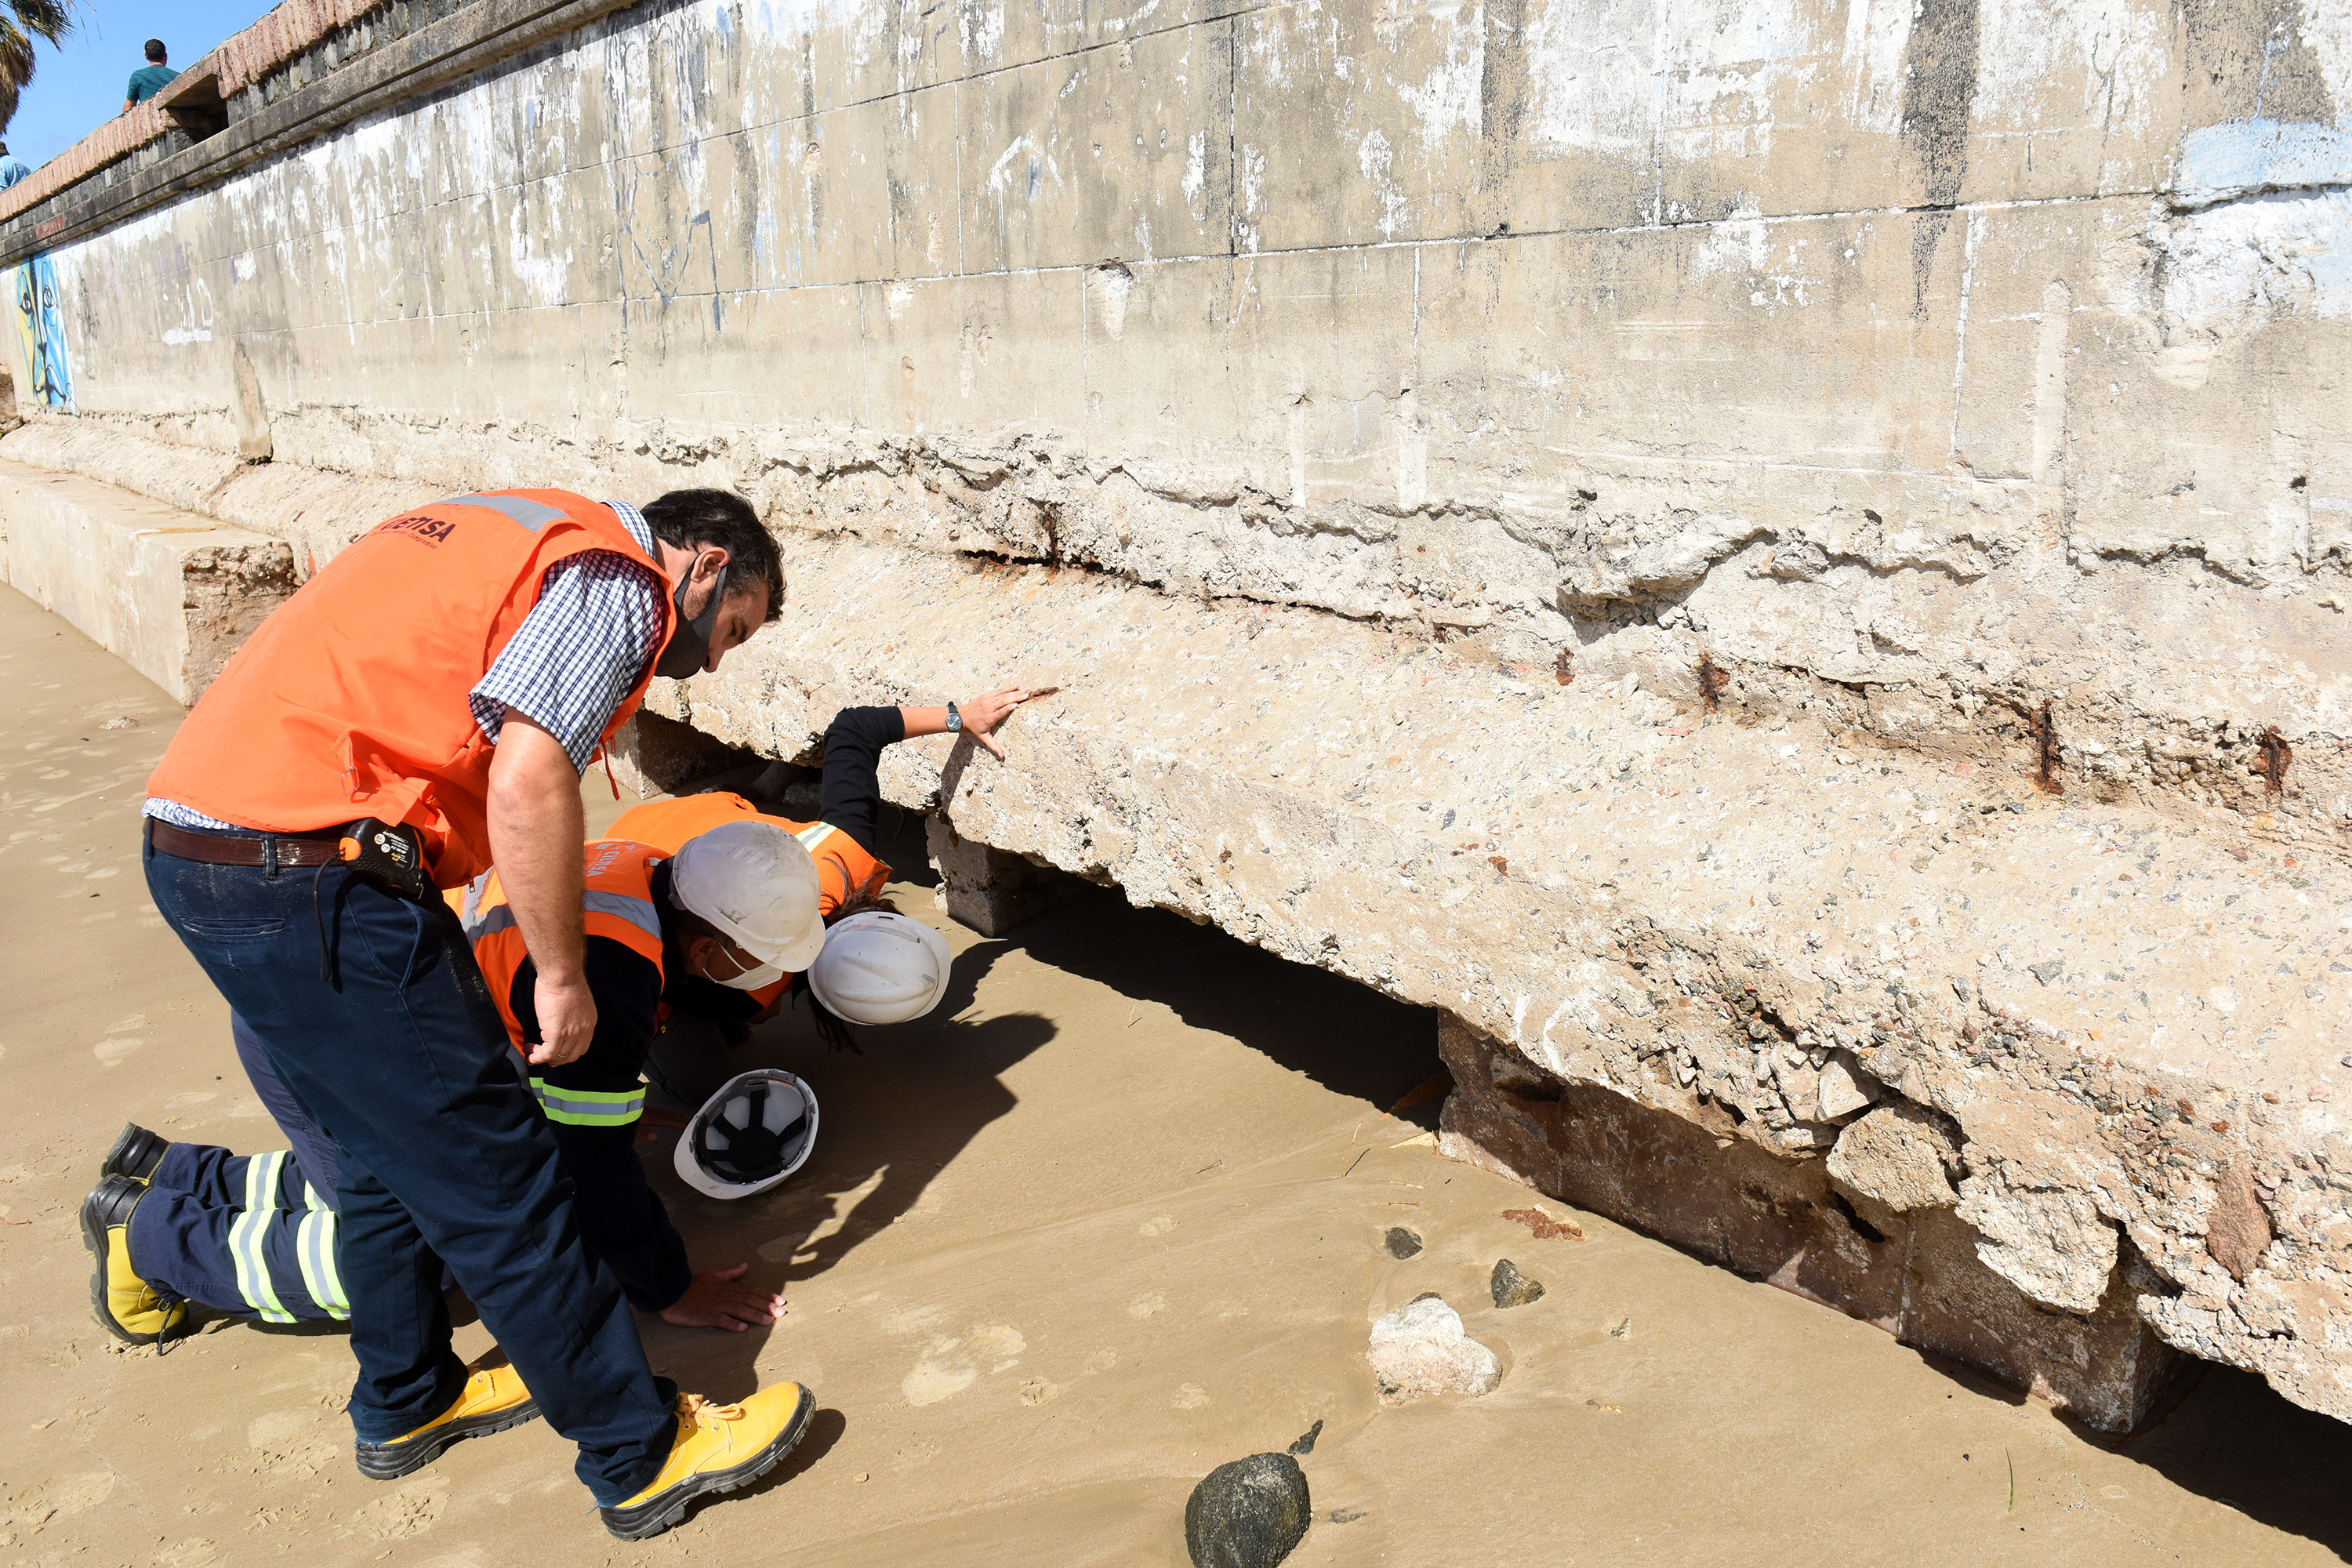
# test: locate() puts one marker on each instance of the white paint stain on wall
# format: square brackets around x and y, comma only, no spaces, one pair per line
[2233,268]
[1698,79]
[1448,99]
[2051,65]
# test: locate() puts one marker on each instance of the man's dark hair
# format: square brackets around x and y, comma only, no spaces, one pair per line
[155,50]
[696,520]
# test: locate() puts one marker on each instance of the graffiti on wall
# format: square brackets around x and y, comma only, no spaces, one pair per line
[41,332]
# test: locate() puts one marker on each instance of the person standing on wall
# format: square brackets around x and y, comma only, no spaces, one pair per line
[149,78]
[425,704]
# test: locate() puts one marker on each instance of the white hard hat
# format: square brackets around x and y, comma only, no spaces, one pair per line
[755,1132]
[758,884]
[880,968]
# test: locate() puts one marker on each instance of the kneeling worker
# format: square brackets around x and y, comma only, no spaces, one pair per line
[867,978]
[734,905]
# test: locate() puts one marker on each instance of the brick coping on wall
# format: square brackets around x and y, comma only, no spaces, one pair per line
[234,65]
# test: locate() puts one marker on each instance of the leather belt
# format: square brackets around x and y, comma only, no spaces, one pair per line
[321,848]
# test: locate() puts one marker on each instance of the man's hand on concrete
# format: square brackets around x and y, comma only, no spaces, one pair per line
[720,1300]
[567,1018]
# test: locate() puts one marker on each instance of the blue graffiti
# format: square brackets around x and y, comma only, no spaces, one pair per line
[41,332]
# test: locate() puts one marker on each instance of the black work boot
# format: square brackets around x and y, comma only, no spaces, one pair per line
[135,1154]
[128,1307]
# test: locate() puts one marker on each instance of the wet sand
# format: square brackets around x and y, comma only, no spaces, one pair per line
[1111,1217]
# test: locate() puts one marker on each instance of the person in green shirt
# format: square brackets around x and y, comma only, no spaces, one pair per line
[149,78]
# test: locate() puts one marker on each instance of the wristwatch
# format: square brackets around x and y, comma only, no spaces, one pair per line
[955,719]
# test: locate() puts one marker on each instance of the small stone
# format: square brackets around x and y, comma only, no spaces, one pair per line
[2237,1227]
[1420,1350]
[1401,1242]
[1900,1155]
[1845,1089]
[1544,1228]
[2048,970]
[1513,1289]
[1305,1445]
[1247,1514]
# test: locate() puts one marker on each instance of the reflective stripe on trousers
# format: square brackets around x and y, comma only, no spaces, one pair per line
[589,1106]
[241,1234]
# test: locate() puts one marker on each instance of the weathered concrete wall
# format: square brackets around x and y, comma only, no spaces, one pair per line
[1595,516]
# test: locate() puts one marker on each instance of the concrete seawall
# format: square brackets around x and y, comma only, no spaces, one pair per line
[1789,569]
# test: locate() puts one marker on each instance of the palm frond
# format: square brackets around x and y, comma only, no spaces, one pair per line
[48,19]
[15,68]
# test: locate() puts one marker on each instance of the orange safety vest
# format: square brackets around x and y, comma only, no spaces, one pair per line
[845,870]
[349,699]
[616,901]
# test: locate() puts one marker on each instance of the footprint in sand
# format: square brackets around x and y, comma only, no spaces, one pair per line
[948,1367]
[1036,1391]
[932,1380]
[1191,1397]
[1158,1224]
[114,1051]
[411,1511]
[1147,1306]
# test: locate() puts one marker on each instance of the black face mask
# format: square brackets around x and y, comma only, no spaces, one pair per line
[689,645]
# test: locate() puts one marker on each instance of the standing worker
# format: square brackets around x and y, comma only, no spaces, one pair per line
[149,78]
[428,702]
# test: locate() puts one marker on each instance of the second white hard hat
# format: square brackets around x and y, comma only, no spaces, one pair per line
[755,1132]
[758,884]
[880,968]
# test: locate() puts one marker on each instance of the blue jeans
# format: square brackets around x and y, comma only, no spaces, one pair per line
[400,1059]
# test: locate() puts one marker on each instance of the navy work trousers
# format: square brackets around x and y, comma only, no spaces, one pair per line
[398,1055]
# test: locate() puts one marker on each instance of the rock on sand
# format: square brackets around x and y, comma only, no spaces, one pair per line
[1247,1514]
[1420,1350]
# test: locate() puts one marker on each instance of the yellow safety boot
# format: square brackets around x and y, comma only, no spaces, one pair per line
[718,1449]
[492,1400]
[135,1154]
[127,1306]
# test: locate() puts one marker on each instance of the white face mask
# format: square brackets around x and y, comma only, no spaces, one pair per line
[753,979]
[749,979]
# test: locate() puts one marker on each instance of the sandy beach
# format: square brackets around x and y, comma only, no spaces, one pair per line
[1113,1216]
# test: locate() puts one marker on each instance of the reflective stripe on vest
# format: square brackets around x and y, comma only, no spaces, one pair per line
[638,912]
[533,515]
[589,1106]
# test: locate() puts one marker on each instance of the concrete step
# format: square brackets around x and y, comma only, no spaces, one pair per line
[170,592]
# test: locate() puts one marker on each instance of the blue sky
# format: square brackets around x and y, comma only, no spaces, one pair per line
[80,85]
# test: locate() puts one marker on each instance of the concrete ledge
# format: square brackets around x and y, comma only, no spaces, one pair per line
[169,593]
[2130,1021]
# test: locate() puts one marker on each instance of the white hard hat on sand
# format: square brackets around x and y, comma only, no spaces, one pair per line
[755,1132]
